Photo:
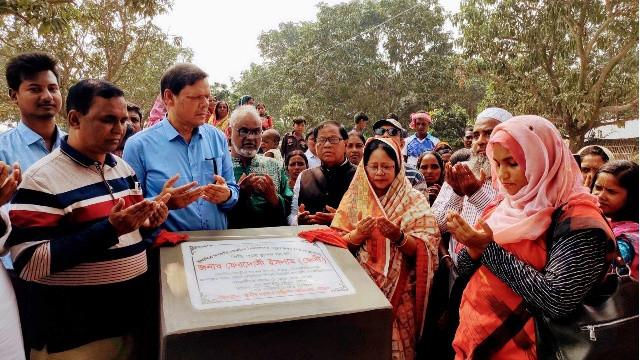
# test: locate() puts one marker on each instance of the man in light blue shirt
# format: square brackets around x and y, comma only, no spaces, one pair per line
[32,79]
[190,154]
[33,86]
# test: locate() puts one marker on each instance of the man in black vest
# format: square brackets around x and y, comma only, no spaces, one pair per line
[321,188]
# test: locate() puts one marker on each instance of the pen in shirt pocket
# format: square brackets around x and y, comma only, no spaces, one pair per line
[215,165]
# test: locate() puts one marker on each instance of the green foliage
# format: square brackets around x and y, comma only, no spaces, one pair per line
[573,62]
[448,125]
[113,40]
[376,56]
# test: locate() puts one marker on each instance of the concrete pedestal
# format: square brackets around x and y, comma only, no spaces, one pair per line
[354,326]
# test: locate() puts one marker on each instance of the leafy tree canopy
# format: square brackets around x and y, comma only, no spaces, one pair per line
[573,62]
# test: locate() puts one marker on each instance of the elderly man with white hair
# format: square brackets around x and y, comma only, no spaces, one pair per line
[265,195]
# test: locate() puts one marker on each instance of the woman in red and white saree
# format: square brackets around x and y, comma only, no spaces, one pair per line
[394,235]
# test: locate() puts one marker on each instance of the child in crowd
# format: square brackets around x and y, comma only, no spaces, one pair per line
[269,145]
[616,186]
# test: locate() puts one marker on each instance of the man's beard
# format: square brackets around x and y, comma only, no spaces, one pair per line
[478,162]
[244,152]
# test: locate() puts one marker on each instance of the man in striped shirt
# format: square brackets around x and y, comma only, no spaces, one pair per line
[77,219]
[467,189]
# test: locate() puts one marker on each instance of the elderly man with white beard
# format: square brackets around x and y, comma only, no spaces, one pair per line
[467,188]
[265,195]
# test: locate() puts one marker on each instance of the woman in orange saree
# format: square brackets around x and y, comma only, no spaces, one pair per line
[394,235]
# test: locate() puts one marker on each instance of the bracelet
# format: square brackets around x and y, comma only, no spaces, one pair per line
[403,240]
[349,239]
[445,256]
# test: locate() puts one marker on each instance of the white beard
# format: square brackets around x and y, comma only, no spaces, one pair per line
[244,152]
[479,162]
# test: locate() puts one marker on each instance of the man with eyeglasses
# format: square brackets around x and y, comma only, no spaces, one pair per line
[185,157]
[391,128]
[265,196]
[318,191]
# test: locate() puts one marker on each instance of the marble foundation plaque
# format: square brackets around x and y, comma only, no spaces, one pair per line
[267,294]
[249,272]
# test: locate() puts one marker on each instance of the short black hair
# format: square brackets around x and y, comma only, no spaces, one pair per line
[82,93]
[26,66]
[343,131]
[133,107]
[310,134]
[379,144]
[180,76]
[393,116]
[596,151]
[361,116]
[358,134]
[468,128]
[299,120]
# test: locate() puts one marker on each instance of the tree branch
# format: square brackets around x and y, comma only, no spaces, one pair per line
[619,108]
[597,87]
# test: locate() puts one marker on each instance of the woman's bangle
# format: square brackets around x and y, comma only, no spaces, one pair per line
[349,239]
[403,240]
[445,256]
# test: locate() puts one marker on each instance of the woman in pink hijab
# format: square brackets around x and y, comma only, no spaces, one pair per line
[539,248]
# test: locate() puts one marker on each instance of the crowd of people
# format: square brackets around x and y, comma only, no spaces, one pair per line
[463,243]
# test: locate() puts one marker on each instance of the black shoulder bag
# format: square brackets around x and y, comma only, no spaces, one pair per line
[604,326]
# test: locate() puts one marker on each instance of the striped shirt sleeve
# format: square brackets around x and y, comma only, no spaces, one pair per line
[575,262]
[40,244]
[447,200]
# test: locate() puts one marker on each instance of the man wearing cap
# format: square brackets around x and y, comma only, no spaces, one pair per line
[391,128]
[421,141]
[467,188]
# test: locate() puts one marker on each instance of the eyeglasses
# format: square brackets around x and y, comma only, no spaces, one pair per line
[385,168]
[332,140]
[244,132]
[392,131]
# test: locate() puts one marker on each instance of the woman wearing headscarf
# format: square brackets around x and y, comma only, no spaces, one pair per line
[540,248]
[394,235]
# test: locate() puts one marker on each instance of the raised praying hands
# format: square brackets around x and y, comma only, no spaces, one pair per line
[217,192]
[319,218]
[180,196]
[462,180]
[476,241]
[9,181]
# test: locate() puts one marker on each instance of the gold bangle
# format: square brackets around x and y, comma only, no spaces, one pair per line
[349,239]
[403,240]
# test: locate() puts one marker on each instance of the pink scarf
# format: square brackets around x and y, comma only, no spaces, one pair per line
[553,177]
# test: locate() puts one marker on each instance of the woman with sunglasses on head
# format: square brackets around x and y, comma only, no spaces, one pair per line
[616,186]
[394,235]
[539,248]
[431,165]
